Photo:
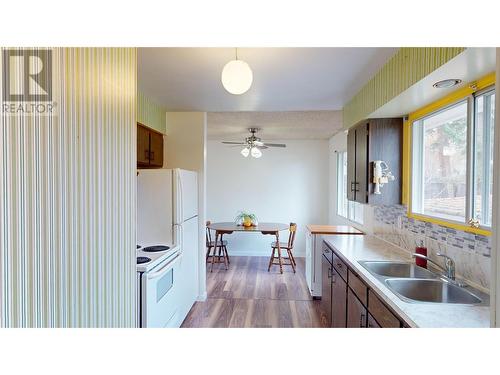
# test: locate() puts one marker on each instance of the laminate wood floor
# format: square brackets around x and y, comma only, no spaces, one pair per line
[247,295]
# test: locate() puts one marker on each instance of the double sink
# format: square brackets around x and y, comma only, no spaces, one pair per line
[412,283]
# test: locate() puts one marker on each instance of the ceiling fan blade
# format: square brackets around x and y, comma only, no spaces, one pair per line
[275,144]
[234,143]
[258,143]
[262,147]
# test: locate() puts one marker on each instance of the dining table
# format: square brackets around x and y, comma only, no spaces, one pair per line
[273,229]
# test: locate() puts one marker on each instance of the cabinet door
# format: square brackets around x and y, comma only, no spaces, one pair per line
[361,184]
[326,292]
[142,146]
[351,164]
[386,143]
[339,300]
[156,150]
[356,312]
[372,323]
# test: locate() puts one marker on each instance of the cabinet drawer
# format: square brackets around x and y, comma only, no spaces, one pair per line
[339,266]
[327,253]
[358,287]
[384,316]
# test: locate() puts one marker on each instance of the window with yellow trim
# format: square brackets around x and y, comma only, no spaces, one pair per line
[452,161]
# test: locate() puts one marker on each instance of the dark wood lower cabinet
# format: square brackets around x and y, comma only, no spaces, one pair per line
[372,323]
[339,300]
[326,292]
[347,301]
[356,312]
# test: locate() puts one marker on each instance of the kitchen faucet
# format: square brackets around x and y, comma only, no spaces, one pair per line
[449,264]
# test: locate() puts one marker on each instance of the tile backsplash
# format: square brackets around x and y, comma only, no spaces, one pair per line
[470,252]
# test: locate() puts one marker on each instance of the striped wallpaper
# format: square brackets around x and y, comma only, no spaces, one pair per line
[151,114]
[405,68]
[67,197]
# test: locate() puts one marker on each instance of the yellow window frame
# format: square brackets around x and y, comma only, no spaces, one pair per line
[447,100]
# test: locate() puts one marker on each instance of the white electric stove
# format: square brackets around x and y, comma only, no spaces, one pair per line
[158,292]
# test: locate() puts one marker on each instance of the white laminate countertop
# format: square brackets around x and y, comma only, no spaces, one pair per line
[425,315]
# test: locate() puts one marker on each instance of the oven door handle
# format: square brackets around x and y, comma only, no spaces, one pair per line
[167,267]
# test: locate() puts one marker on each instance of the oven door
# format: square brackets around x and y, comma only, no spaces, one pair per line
[160,293]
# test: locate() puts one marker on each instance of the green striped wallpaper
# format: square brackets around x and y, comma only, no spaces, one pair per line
[405,68]
[150,113]
[67,197]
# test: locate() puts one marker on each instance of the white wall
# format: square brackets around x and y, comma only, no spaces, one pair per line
[285,185]
[495,242]
[338,143]
[185,148]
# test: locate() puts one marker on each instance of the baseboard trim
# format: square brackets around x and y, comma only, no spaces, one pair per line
[202,297]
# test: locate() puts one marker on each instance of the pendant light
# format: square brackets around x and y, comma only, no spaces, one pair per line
[237,76]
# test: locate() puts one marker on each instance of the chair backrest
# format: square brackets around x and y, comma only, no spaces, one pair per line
[208,234]
[291,236]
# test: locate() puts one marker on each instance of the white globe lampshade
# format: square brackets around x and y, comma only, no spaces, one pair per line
[256,153]
[237,77]
[245,152]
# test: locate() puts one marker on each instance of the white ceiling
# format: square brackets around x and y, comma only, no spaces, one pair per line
[285,79]
[233,126]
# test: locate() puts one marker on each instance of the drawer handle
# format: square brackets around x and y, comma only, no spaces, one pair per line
[361,319]
[152,153]
[146,154]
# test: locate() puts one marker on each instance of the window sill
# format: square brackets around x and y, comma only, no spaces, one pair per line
[448,224]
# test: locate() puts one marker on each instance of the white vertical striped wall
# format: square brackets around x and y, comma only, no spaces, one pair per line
[67,198]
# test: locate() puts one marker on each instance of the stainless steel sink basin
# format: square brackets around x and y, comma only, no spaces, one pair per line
[431,290]
[397,269]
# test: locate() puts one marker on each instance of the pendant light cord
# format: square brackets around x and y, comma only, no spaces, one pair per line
[236,51]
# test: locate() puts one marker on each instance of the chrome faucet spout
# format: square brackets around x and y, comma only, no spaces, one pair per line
[448,269]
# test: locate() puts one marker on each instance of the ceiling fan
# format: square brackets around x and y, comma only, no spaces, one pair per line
[253,145]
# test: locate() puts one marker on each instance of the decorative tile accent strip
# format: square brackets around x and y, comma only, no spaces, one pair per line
[470,251]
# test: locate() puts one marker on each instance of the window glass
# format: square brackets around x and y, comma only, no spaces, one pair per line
[439,186]
[350,210]
[483,157]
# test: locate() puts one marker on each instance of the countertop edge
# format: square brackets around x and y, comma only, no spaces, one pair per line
[381,290]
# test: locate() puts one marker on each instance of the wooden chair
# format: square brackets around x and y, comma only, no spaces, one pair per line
[221,245]
[288,246]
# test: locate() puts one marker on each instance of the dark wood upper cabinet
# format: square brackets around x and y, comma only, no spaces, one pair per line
[351,164]
[156,149]
[370,140]
[149,148]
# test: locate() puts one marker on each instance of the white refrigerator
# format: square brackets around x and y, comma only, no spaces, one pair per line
[167,213]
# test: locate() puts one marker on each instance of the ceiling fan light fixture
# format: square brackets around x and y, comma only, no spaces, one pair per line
[256,153]
[237,77]
[245,152]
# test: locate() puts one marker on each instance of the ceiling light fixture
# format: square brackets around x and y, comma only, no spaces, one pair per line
[245,152]
[447,83]
[256,153]
[237,77]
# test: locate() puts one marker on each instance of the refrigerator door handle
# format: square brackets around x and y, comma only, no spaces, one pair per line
[179,240]
[178,197]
